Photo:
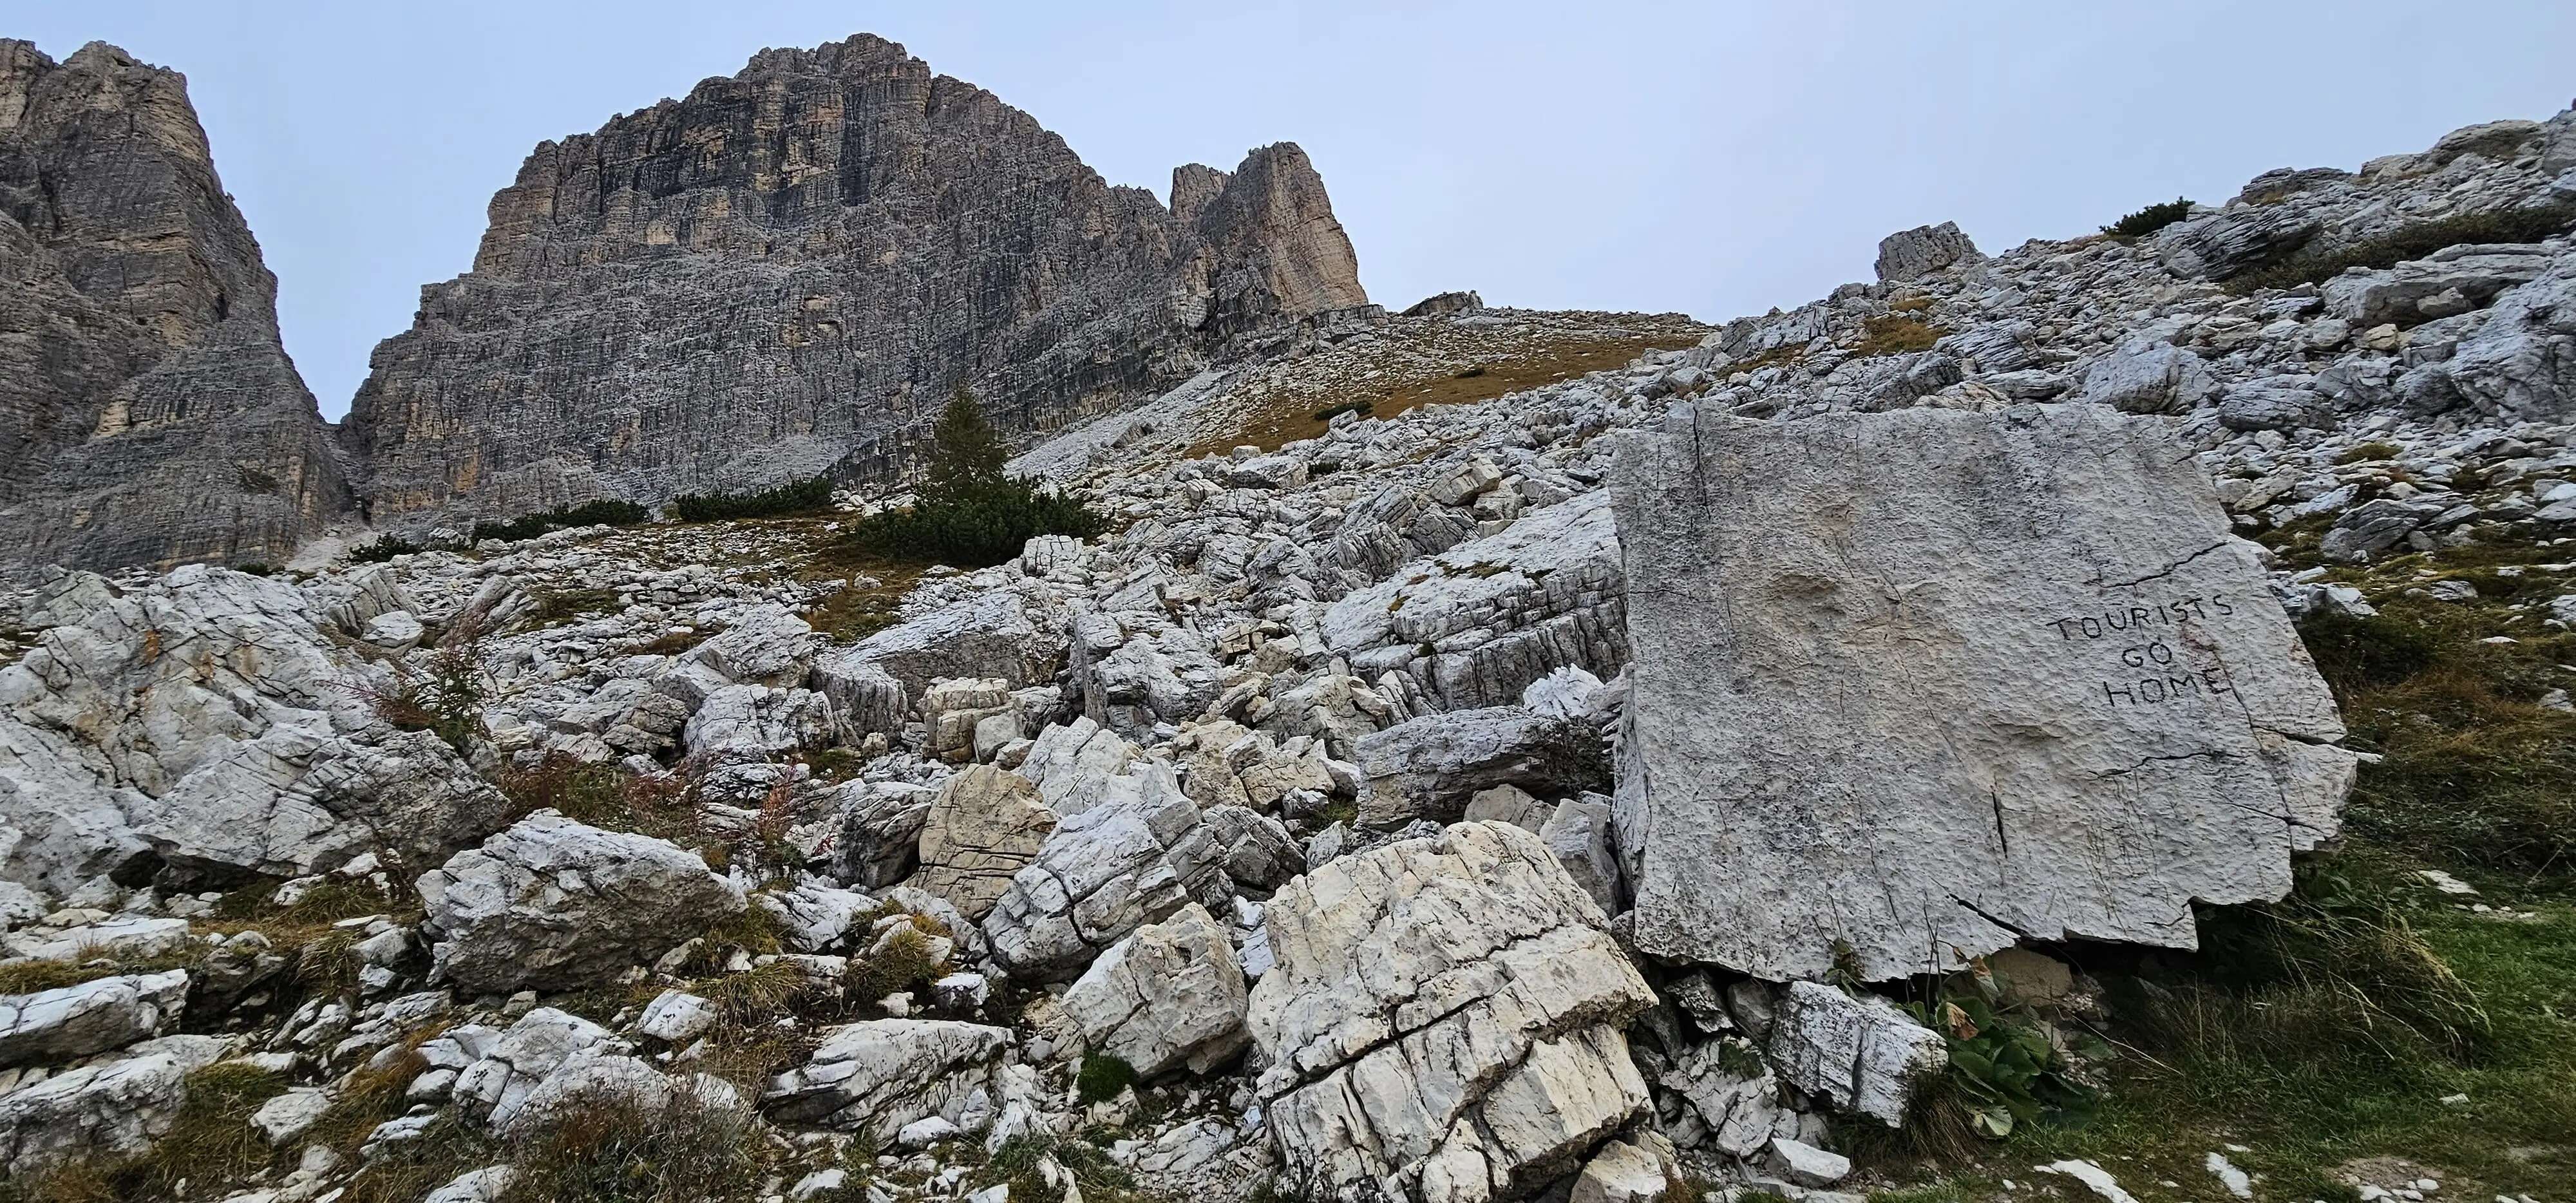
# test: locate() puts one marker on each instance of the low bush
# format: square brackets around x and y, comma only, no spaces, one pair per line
[2323,258]
[605,796]
[976,531]
[2150,219]
[904,963]
[1102,1078]
[1363,408]
[801,497]
[386,547]
[607,512]
[446,699]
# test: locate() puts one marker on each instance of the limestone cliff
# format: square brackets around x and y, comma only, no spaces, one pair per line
[148,412]
[787,271]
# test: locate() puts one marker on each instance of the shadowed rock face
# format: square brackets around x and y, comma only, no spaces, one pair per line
[787,271]
[148,413]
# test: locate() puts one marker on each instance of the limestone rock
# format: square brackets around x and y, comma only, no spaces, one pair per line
[2149,378]
[105,1108]
[557,905]
[878,1076]
[1447,1013]
[1484,620]
[1430,767]
[2016,691]
[1858,1053]
[984,825]
[1168,995]
[53,1026]
[783,302]
[1923,250]
[1138,854]
[148,412]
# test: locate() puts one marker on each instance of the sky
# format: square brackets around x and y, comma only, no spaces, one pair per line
[1714,159]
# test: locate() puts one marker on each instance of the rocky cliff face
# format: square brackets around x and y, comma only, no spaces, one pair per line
[787,271]
[148,413]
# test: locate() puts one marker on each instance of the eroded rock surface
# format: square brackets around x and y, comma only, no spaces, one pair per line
[1445,1012]
[148,412]
[1924,683]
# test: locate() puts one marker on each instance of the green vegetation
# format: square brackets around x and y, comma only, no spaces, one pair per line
[2150,219]
[969,510]
[1102,1078]
[2004,1067]
[386,547]
[605,796]
[1895,334]
[564,517]
[800,497]
[1363,408]
[613,1145]
[904,963]
[2323,258]
[447,699]
[1099,1179]
[558,606]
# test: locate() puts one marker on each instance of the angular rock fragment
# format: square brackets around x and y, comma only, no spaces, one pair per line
[1858,1053]
[558,905]
[1168,995]
[52,1026]
[1445,1015]
[1917,685]
[878,1076]
[1923,250]
[1430,767]
[984,825]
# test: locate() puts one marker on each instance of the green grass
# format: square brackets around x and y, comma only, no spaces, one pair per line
[1103,1077]
[563,517]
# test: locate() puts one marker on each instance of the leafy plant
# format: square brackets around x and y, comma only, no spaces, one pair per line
[2150,219]
[799,497]
[2006,1070]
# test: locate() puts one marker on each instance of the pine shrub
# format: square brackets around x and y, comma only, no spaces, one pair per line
[970,511]
[2150,219]
[800,497]
[605,512]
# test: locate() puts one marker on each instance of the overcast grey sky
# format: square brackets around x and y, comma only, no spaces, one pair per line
[1717,159]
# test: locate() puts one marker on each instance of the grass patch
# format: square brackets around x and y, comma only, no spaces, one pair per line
[2321,260]
[605,796]
[564,517]
[1895,334]
[904,962]
[2150,219]
[555,607]
[1102,1078]
[2473,772]
[1018,1163]
[801,497]
[36,977]
[1278,419]
[610,1145]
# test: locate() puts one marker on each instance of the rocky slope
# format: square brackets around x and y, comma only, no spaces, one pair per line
[148,413]
[787,272]
[1668,780]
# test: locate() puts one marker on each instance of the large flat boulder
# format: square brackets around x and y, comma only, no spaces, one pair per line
[1923,683]
[552,904]
[1445,1013]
